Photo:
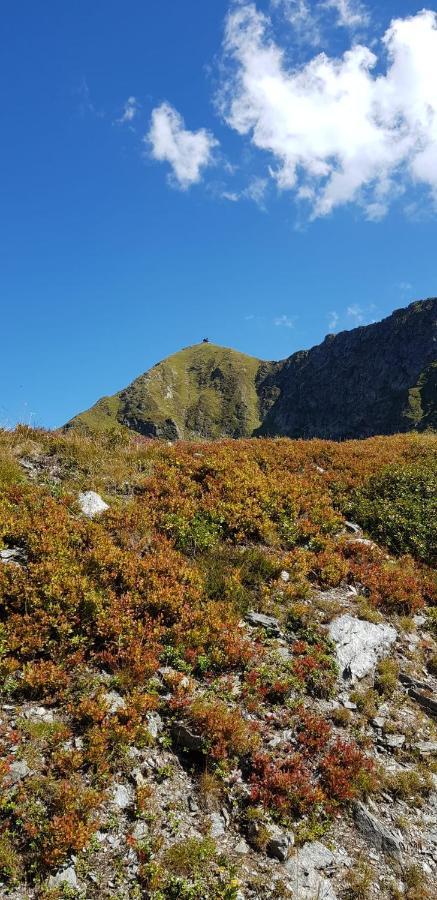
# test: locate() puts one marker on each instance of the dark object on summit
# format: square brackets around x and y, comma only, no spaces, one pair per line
[205,341]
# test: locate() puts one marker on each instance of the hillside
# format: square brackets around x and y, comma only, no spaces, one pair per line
[376,379]
[203,391]
[218,668]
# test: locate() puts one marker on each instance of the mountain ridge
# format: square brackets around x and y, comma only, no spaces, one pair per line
[374,379]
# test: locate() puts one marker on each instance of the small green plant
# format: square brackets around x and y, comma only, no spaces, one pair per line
[11,869]
[192,870]
[410,784]
[417,884]
[398,508]
[366,701]
[341,716]
[386,677]
[432,619]
[359,880]
[368,612]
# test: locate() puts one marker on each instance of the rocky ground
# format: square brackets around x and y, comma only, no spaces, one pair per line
[385,842]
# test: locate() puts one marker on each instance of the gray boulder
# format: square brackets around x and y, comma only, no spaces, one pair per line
[269,623]
[114,701]
[394,741]
[425,747]
[154,724]
[217,825]
[305,869]
[140,831]
[376,833]
[13,555]
[39,713]
[17,771]
[359,645]
[67,877]
[314,855]
[279,843]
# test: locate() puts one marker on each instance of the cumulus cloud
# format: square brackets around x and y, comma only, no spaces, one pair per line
[187,152]
[337,129]
[130,110]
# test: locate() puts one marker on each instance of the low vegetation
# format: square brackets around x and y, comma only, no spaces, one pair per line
[149,599]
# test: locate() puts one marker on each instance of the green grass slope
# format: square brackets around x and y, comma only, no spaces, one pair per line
[421,406]
[203,391]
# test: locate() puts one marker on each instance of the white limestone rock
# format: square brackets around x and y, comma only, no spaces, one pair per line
[217,825]
[91,504]
[114,701]
[122,797]
[359,645]
[13,556]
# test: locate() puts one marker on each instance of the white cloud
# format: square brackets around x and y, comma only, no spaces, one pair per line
[284,321]
[350,13]
[304,20]
[130,110]
[187,152]
[356,314]
[310,21]
[333,320]
[256,191]
[232,196]
[337,131]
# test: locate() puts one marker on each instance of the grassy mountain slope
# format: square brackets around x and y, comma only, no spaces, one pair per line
[202,391]
[422,404]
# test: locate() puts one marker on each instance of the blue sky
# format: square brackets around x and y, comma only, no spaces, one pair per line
[173,170]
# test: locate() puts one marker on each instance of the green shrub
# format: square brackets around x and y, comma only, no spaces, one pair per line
[386,677]
[398,507]
[192,535]
[192,870]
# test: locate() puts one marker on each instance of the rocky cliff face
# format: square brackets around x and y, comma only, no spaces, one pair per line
[377,379]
